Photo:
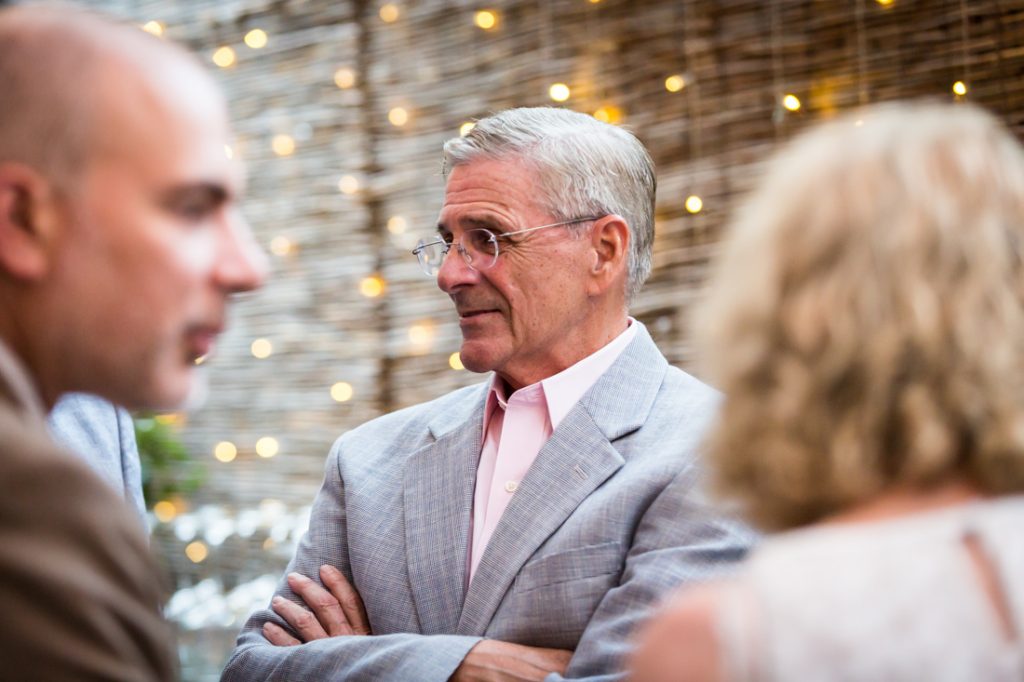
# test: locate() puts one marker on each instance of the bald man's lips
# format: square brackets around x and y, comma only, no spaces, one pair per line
[201,340]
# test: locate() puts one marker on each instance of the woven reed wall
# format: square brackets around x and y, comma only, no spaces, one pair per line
[739,58]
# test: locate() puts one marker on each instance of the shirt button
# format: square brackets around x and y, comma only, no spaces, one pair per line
[511,486]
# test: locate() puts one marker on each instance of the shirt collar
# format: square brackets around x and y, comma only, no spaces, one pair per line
[563,390]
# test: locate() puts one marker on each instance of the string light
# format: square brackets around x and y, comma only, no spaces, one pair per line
[389,13]
[466,127]
[348,184]
[164,511]
[421,335]
[261,348]
[197,552]
[344,78]
[225,451]
[154,28]
[608,114]
[675,83]
[885,3]
[267,447]
[372,286]
[281,246]
[559,92]
[397,224]
[398,117]
[959,88]
[455,361]
[256,38]
[283,145]
[224,57]
[342,391]
[175,419]
[694,203]
[791,102]
[486,19]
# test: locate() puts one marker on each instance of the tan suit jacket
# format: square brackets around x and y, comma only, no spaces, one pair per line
[79,591]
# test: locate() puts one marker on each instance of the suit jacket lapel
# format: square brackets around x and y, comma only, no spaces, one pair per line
[578,457]
[438,500]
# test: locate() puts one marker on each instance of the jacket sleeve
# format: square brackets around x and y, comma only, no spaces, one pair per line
[680,540]
[393,657]
[80,592]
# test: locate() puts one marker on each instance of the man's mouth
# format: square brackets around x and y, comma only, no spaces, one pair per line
[200,340]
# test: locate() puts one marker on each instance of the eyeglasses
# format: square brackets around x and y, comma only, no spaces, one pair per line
[478,247]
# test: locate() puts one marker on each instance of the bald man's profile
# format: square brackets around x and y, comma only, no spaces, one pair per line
[120,246]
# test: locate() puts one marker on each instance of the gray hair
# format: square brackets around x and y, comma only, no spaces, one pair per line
[584,168]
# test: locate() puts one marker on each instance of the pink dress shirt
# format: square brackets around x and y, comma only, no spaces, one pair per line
[530,414]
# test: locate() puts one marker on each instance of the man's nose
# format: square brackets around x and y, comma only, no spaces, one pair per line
[242,264]
[455,272]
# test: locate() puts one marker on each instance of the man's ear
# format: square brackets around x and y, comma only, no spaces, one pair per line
[610,247]
[28,218]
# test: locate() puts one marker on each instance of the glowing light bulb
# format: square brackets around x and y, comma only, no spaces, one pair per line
[455,361]
[256,38]
[348,184]
[959,88]
[466,127]
[344,78]
[267,447]
[281,246]
[791,102]
[261,348]
[398,117]
[559,92]
[225,451]
[197,552]
[224,57]
[694,203]
[155,28]
[608,114]
[486,19]
[397,224]
[389,13]
[283,145]
[164,511]
[675,83]
[372,286]
[342,391]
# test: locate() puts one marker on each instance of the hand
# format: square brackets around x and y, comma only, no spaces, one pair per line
[336,611]
[494,661]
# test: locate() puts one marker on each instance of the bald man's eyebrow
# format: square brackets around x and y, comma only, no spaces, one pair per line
[196,200]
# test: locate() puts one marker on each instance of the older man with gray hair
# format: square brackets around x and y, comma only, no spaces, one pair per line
[520,528]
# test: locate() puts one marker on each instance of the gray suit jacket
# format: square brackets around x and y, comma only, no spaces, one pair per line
[103,435]
[607,520]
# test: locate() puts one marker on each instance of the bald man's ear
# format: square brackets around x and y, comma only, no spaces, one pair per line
[610,247]
[28,213]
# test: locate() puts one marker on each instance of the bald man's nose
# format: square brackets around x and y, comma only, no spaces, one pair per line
[242,264]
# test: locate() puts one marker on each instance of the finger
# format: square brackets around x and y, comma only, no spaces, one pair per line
[304,623]
[277,636]
[348,597]
[324,605]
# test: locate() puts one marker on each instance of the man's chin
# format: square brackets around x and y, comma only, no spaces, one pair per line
[475,359]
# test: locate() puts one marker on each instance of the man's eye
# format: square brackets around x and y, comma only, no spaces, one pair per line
[193,210]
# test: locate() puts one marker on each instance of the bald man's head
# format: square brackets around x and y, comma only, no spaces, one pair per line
[57,65]
[121,241]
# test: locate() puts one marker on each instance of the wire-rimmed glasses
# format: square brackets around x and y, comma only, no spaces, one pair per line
[478,247]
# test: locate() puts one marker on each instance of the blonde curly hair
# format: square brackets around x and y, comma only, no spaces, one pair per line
[866,320]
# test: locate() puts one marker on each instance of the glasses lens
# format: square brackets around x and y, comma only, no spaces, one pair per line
[481,247]
[431,254]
